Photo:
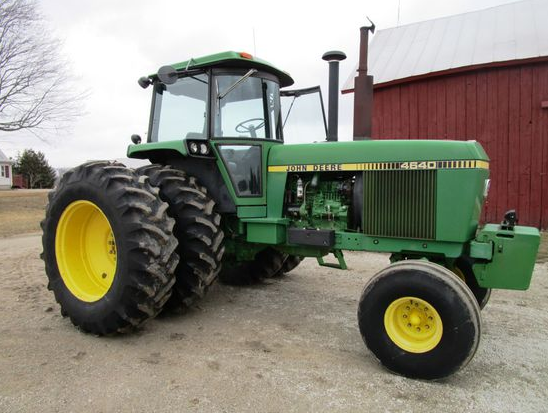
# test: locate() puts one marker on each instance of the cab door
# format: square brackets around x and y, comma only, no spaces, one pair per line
[246,123]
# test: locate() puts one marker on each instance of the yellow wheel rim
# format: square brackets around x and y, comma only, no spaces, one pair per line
[85,250]
[413,324]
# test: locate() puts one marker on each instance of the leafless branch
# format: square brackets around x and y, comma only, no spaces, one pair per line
[36,91]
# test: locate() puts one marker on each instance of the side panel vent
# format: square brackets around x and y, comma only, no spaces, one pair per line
[400,204]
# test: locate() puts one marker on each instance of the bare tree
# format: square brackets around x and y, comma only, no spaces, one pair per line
[35,91]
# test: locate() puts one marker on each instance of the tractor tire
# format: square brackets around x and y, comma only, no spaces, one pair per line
[291,262]
[109,250]
[419,320]
[266,264]
[463,268]
[197,228]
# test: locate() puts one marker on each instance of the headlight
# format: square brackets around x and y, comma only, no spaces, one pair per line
[199,147]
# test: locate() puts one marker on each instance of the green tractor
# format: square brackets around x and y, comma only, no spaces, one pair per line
[225,198]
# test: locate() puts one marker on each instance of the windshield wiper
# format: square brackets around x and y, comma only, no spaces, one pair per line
[235,85]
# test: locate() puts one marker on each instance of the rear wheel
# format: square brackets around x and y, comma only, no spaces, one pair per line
[266,264]
[197,228]
[419,320]
[108,246]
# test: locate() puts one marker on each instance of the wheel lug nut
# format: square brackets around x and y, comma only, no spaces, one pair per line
[418,329]
[104,275]
[427,326]
[405,316]
[408,308]
[409,325]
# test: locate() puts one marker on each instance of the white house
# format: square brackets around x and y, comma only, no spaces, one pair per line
[5,171]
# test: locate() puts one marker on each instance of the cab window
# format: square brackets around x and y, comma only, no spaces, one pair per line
[246,107]
[180,109]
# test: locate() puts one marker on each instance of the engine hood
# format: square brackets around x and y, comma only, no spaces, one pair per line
[375,151]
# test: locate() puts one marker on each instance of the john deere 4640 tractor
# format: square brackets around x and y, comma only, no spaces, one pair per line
[225,197]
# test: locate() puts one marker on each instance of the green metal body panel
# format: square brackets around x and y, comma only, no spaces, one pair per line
[513,257]
[145,150]
[417,248]
[258,211]
[232,59]
[275,183]
[266,231]
[354,241]
[459,200]
[376,151]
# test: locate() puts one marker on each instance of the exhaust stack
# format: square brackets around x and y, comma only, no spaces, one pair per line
[363,90]
[333,57]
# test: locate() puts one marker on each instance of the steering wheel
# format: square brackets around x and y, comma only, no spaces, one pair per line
[251,129]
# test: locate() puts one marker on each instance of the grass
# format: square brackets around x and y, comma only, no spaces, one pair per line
[21,211]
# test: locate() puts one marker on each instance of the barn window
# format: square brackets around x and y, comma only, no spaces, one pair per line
[7,171]
[2,171]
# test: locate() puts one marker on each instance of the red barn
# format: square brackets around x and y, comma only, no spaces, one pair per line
[478,76]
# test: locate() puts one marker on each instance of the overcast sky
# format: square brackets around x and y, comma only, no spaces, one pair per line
[112,43]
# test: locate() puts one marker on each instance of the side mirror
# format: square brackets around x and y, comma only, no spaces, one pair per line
[167,75]
[144,82]
[136,139]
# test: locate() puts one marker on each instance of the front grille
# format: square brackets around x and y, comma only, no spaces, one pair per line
[400,204]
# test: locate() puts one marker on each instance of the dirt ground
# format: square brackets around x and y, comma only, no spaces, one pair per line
[290,345]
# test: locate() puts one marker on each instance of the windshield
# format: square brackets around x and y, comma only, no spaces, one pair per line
[180,109]
[246,107]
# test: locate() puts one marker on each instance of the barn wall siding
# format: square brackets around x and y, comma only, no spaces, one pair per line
[500,108]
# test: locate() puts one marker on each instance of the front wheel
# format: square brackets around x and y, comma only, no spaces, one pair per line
[419,320]
[290,263]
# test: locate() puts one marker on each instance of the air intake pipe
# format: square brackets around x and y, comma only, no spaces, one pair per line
[333,57]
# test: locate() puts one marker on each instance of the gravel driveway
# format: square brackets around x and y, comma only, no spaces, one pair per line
[291,345]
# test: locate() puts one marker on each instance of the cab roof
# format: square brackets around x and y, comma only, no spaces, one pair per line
[235,59]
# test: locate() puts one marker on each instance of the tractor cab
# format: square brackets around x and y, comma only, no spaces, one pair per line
[222,109]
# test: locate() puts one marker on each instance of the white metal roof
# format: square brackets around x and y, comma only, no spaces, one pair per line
[508,32]
[4,158]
